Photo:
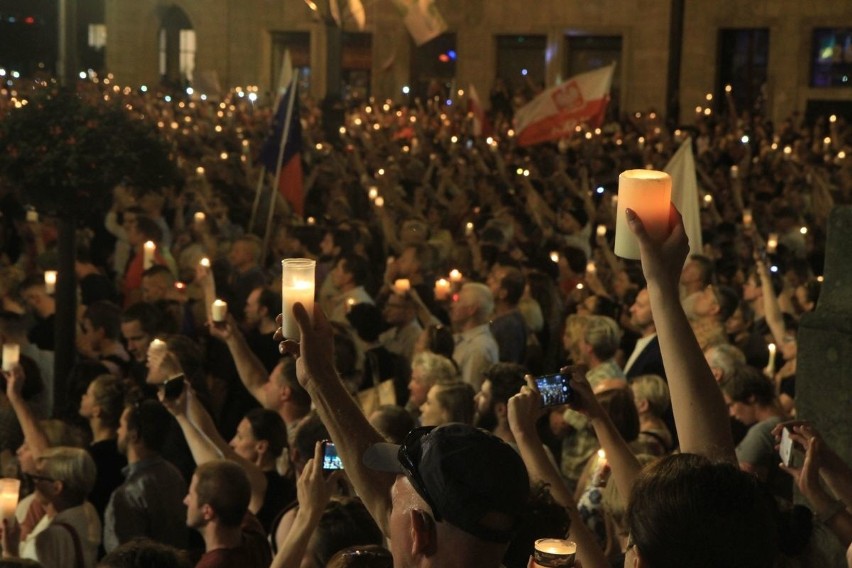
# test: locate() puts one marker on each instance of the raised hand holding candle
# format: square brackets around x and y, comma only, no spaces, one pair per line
[442,289]
[50,281]
[649,194]
[401,286]
[219,311]
[11,356]
[772,243]
[10,490]
[297,285]
[554,552]
[148,254]
[770,367]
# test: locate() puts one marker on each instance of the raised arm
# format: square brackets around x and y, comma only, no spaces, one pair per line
[524,409]
[33,434]
[349,428]
[771,307]
[700,413]
[251,371]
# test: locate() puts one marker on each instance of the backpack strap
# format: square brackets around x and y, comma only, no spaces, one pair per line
[78,547]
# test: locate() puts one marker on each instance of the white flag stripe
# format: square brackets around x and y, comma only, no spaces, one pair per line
[685,193]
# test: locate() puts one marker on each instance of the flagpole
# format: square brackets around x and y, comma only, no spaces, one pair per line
[285,133]
[256,203]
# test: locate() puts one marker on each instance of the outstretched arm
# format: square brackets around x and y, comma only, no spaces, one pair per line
[33,434]
[700,413]
[349,428]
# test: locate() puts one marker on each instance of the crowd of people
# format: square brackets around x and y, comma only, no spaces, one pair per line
[452,267]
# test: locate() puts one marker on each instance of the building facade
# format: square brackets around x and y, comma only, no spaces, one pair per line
[781,55]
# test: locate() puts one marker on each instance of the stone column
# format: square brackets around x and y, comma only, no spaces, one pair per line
[824,366]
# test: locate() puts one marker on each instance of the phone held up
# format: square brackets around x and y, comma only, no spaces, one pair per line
[330,460]
[785,448]
[554,389]
[173,386]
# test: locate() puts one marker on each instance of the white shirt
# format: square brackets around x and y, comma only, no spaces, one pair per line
[641,343]
[53,546]
[476,350]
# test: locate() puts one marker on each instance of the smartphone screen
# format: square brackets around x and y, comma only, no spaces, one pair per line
[330,460]
[554,389]
[785,448]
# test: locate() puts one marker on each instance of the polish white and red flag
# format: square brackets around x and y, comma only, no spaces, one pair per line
[556,112]
[481,125]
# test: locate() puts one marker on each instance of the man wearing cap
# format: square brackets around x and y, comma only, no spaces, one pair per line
[448,496]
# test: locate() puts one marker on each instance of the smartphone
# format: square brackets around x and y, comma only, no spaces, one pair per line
[554,389]
[785,448]
[173,387]
[330,460]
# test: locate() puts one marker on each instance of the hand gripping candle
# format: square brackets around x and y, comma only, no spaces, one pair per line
[649,194]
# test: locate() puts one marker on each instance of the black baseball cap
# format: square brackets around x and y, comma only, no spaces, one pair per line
[469,477]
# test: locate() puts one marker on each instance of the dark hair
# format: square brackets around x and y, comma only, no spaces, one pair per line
[224,486]
[457,400]
[191,360]
[151,421]
[393,422]
[575,258]
[688,511]
[269,426]
[109,396]
[706,265]
[728,302]
[298,394]
[618,403]
[362,556]
[506,381]
[144,553]
[344,523]
[747,382]
[149,229]
[149,316]
[310,431]
[12,324]
[367,321]
[269,300]
[441,340]
[513,282]
[105,315]
[357,266]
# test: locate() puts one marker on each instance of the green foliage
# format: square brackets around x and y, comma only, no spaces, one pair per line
[65,151]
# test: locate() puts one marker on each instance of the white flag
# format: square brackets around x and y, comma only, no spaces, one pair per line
[555,112]
[685,193]
[354,11]
[285,77]
[422,18]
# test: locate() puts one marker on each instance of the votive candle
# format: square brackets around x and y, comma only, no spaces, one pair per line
[148,254]
[50,281]
[297,285]
[219,310]
[11,356]
[648,193]
[10,490]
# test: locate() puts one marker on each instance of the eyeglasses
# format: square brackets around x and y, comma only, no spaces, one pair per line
[33,477]
[407,458]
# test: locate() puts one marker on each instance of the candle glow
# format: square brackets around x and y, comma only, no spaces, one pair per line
[11,356]
[297,286]
[442,289]
[648,194]
[219,310]
[50,281]
[10,490]
[148,254]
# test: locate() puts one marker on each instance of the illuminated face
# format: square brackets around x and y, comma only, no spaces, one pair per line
[640,311]
[742,411]
[244,443]
[431,411]
[87,402]
[418,387]
[252,310]
[136,338]
[194,513]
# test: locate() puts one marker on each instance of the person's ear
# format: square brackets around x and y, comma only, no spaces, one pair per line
[424,534]
[207,512]
[641,405]
[262,446]
[501,409]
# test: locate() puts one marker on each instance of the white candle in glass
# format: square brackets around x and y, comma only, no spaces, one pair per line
[554,552]
[468,229]
[50,281]
[442,289]
[148,254]
[455,275]
[219,310]
[297,285]
[10,490]
[648,193]
[205,262]
[200,217]
[590,267]
[32,216]
[11,356]
[373,193]
[770,367]
[747,217]
[601,230]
